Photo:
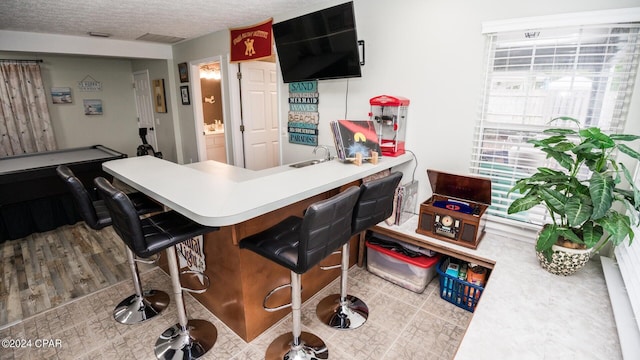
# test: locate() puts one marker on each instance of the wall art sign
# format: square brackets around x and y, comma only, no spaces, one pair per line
[183,71]
[160,103]
[191,255]
[184,95]
[61,95]
[92,106]
[252,42]
[89,84]
[303,117]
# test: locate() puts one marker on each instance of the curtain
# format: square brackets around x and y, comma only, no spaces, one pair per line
[25,125]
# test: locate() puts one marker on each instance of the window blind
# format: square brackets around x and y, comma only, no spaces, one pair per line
[532,76]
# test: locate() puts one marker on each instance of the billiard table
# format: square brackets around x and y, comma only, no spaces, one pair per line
[32,196]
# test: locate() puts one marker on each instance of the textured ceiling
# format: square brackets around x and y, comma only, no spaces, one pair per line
[130,19]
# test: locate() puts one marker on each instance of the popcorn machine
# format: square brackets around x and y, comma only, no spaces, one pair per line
[389,113]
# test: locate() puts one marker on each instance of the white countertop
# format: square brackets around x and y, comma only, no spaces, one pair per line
[214,132]
[527,313]
[216,194]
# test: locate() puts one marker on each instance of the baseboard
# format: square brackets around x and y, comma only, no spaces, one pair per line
[628,331]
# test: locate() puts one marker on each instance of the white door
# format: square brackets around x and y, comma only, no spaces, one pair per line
[259,114]
[142,89]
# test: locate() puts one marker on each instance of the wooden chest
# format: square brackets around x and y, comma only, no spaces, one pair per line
[455,212]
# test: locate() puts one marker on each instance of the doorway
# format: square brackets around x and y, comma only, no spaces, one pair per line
[209,113]
[255,102]
[144,106]
[254,110]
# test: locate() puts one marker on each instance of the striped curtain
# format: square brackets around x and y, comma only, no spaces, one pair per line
[25,125]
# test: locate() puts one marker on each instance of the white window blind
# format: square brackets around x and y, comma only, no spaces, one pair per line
[532,76]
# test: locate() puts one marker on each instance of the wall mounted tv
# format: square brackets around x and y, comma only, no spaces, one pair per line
[320,45]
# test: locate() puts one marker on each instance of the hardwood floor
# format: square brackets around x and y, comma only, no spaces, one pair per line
[45,270]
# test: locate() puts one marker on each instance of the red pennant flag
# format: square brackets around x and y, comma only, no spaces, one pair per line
[252,43]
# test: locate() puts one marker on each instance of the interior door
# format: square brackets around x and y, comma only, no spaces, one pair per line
[259,114]
[144,106]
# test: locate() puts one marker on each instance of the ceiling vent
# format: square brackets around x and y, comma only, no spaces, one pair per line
[99,34]
[160,38]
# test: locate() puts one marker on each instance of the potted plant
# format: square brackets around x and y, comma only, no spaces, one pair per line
[586,213]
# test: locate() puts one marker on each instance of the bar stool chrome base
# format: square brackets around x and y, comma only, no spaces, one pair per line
[311,347]
[190,343]
[343,315]
[136,309]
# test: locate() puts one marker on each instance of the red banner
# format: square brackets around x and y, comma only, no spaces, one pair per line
[252,43]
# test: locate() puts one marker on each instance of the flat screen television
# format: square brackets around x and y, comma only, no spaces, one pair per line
[318,46]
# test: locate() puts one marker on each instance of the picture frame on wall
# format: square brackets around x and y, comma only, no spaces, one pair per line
[183,71]
[92,106]
[61,95]
[159,100]
[184,94]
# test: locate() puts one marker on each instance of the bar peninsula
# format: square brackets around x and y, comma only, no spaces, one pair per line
[244,202]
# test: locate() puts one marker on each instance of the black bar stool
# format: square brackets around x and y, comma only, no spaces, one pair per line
[142,305]
[299,244]
[188,339]
[375,204]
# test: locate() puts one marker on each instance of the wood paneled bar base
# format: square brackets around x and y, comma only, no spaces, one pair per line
[240,279]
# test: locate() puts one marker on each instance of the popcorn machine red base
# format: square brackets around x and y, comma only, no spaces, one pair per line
[390,116]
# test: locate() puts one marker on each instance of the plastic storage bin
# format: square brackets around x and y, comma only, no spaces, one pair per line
[457,291]
[412,273]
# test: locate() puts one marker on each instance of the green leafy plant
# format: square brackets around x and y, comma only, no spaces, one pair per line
[582,211]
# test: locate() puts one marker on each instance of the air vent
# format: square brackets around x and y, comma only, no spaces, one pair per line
[99,34]
[160,38]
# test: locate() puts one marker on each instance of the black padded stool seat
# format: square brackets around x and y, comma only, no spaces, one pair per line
[94,212]
[298,244]
[142,305]
[375,204]
[188,339]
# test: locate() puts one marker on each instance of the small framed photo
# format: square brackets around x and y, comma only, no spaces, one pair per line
[92,106]
[184,94]
[160,102]
[61,95]
[183,71]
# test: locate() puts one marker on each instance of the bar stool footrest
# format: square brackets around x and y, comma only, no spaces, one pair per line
[272,292]
[331,267]
[149,261]
[205,279]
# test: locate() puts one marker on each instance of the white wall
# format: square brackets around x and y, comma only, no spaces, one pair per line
[431,52]
[216,44]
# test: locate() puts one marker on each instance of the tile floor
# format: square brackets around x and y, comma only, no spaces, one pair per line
[402,324]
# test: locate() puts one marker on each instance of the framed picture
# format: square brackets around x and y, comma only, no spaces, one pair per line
[184,72]
[184,93]
[92,106]
[159,100]
[61,95]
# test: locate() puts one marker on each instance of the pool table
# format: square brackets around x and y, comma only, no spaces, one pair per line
[34,199]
